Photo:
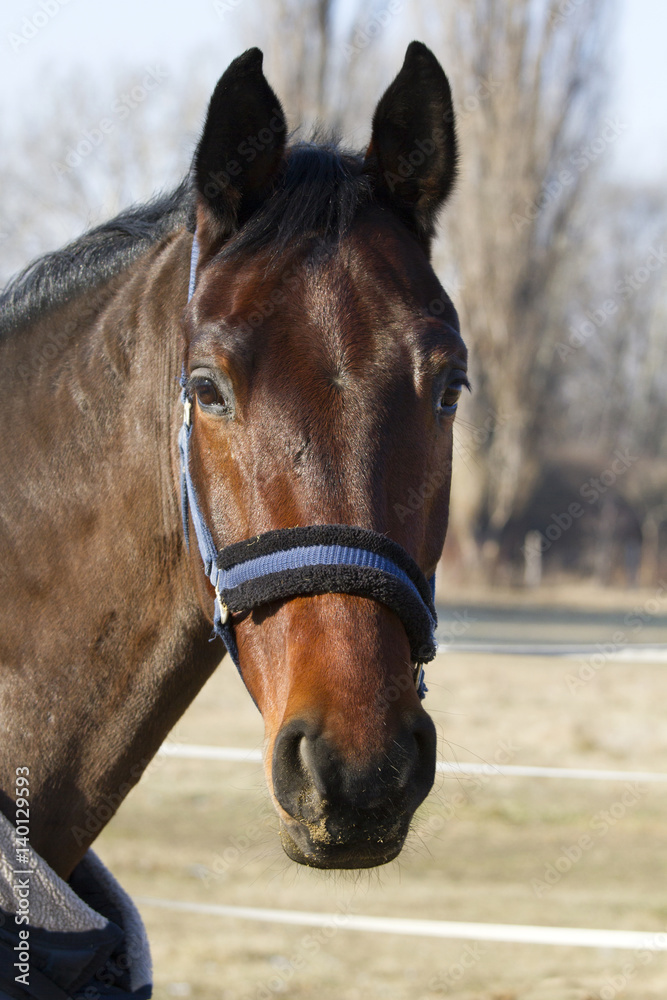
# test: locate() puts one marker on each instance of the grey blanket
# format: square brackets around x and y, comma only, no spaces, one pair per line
[76,936]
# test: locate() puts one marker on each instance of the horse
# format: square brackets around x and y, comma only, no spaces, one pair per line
[217,408]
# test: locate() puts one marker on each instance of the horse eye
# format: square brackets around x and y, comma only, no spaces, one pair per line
[214,395]
[207,393]
[450,396]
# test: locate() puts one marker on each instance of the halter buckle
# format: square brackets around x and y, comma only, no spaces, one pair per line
[224,610]
[187,410]
[419,675]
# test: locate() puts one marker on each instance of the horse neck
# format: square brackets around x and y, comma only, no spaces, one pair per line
[104,643]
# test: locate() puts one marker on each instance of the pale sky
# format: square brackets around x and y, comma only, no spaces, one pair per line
[101,36]
[641,88]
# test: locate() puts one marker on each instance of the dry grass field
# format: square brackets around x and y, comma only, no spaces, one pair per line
[203,831]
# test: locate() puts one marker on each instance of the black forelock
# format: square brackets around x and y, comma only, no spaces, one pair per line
[318,194]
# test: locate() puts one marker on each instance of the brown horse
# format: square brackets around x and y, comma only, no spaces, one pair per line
[322,363]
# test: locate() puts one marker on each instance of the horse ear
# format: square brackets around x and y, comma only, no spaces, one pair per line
[413,152]
[240,149]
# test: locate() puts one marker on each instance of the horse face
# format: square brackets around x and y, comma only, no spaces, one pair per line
[324,381]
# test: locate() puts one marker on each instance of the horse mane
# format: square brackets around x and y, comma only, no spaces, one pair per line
[317,194]
[90,260]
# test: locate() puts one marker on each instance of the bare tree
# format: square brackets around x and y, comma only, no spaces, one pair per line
[529,84]
[113,147]
[613,361]
[317,57]
[614,347]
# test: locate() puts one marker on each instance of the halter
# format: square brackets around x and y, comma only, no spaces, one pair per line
[317,559]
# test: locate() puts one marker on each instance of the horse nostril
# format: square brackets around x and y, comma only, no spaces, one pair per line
[309,775]
[292,771]
[309,764]
[425,738]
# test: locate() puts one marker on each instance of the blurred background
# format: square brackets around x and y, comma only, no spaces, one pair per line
[553,248]
[552,593]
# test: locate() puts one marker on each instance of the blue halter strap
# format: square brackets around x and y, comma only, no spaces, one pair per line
[316,559]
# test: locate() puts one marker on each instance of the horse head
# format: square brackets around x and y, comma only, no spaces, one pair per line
[322,368]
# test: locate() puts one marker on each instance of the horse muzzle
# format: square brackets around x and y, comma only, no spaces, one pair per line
[338,813]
